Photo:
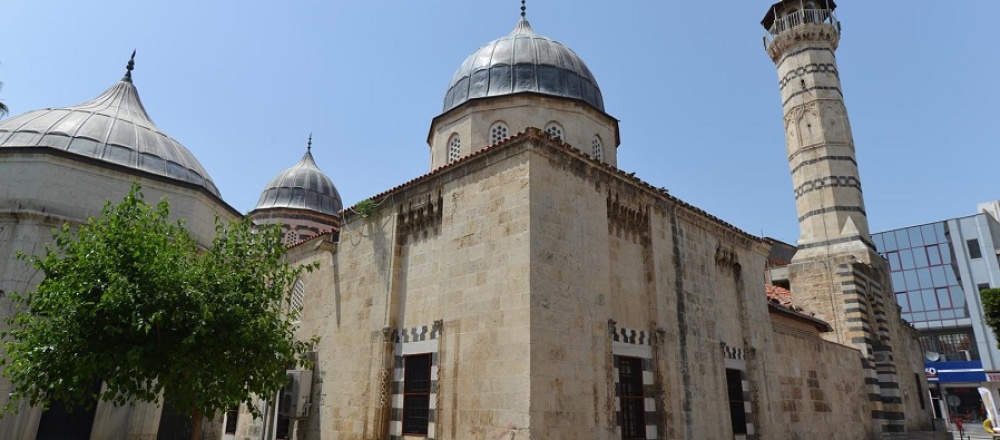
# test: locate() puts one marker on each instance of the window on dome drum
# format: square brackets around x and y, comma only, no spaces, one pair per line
[416,393]
[632,401]
[737,409]
[554,129]
[596,149]
[498,132]
[297,298]
[291,237]
[454,148]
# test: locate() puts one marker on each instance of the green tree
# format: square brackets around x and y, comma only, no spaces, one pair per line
[129,299]
[991,308]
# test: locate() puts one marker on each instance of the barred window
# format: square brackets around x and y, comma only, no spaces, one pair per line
[631,399]
[454,148]
[498,132]
[737,408]
[416,393]
[597,149]
[297,298]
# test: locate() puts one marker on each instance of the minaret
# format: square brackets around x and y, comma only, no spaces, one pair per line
[801,39]
[836,272]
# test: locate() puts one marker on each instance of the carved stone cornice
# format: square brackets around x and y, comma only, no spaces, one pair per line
[420,214]
[633,222]
[806,33]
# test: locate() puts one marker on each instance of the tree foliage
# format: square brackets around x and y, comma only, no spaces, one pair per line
[991,308]
[129,299]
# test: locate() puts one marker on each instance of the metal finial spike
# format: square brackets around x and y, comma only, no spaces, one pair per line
[309,145]
[523,9]
[130,66]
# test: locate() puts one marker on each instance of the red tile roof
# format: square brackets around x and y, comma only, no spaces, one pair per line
[780,294]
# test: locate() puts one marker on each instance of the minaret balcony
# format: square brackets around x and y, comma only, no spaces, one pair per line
[800,19]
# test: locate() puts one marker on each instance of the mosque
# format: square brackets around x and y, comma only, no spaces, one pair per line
[525,287]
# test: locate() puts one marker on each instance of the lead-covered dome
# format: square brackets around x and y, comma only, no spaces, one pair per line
[523,61]
[113,127]
[303,186]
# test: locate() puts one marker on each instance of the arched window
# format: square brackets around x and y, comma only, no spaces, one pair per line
[297,298]
[597,149]
[556,130]
[454,148]
[498,132]
[291,237]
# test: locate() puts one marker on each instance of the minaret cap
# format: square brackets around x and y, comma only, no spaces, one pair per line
[779,9]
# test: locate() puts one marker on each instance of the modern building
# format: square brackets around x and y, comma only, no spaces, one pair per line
[938,270]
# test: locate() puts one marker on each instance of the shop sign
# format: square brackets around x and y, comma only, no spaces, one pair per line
[956,371]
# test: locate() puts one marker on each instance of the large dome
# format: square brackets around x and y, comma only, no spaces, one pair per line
[113,127]
[303,186]
[523,61]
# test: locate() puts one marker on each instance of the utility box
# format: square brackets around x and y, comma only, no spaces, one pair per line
[295,395]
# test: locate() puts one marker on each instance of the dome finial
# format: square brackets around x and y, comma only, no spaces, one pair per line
[309,144]
[523,9]
[130,66]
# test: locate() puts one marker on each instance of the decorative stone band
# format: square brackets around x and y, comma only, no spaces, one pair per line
[648,394]
[810,89]
[733,353]
[806,69]
[411,341]
[629,336]
[417,334]
[816,160]
[839,208]
[804,49]
[827,182]
[838,241]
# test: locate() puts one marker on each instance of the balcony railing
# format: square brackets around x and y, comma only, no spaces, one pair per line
[800,18]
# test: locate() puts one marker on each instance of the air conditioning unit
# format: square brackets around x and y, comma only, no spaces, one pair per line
[294,402]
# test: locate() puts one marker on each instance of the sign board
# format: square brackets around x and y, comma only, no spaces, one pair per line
[957,371]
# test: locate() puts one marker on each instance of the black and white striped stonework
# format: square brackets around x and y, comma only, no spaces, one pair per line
[637,345]
[649,400]
[735,359]
[413,341]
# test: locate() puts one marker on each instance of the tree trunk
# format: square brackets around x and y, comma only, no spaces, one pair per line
[196,425]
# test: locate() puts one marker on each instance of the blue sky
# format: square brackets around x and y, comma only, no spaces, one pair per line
[242,84]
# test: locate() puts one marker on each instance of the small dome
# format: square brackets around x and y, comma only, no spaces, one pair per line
[523,61]
[113,127]
[302,186]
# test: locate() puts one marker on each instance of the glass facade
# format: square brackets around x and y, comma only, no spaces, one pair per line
[925,277]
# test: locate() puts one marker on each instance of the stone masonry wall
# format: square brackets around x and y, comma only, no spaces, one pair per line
[816,389]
